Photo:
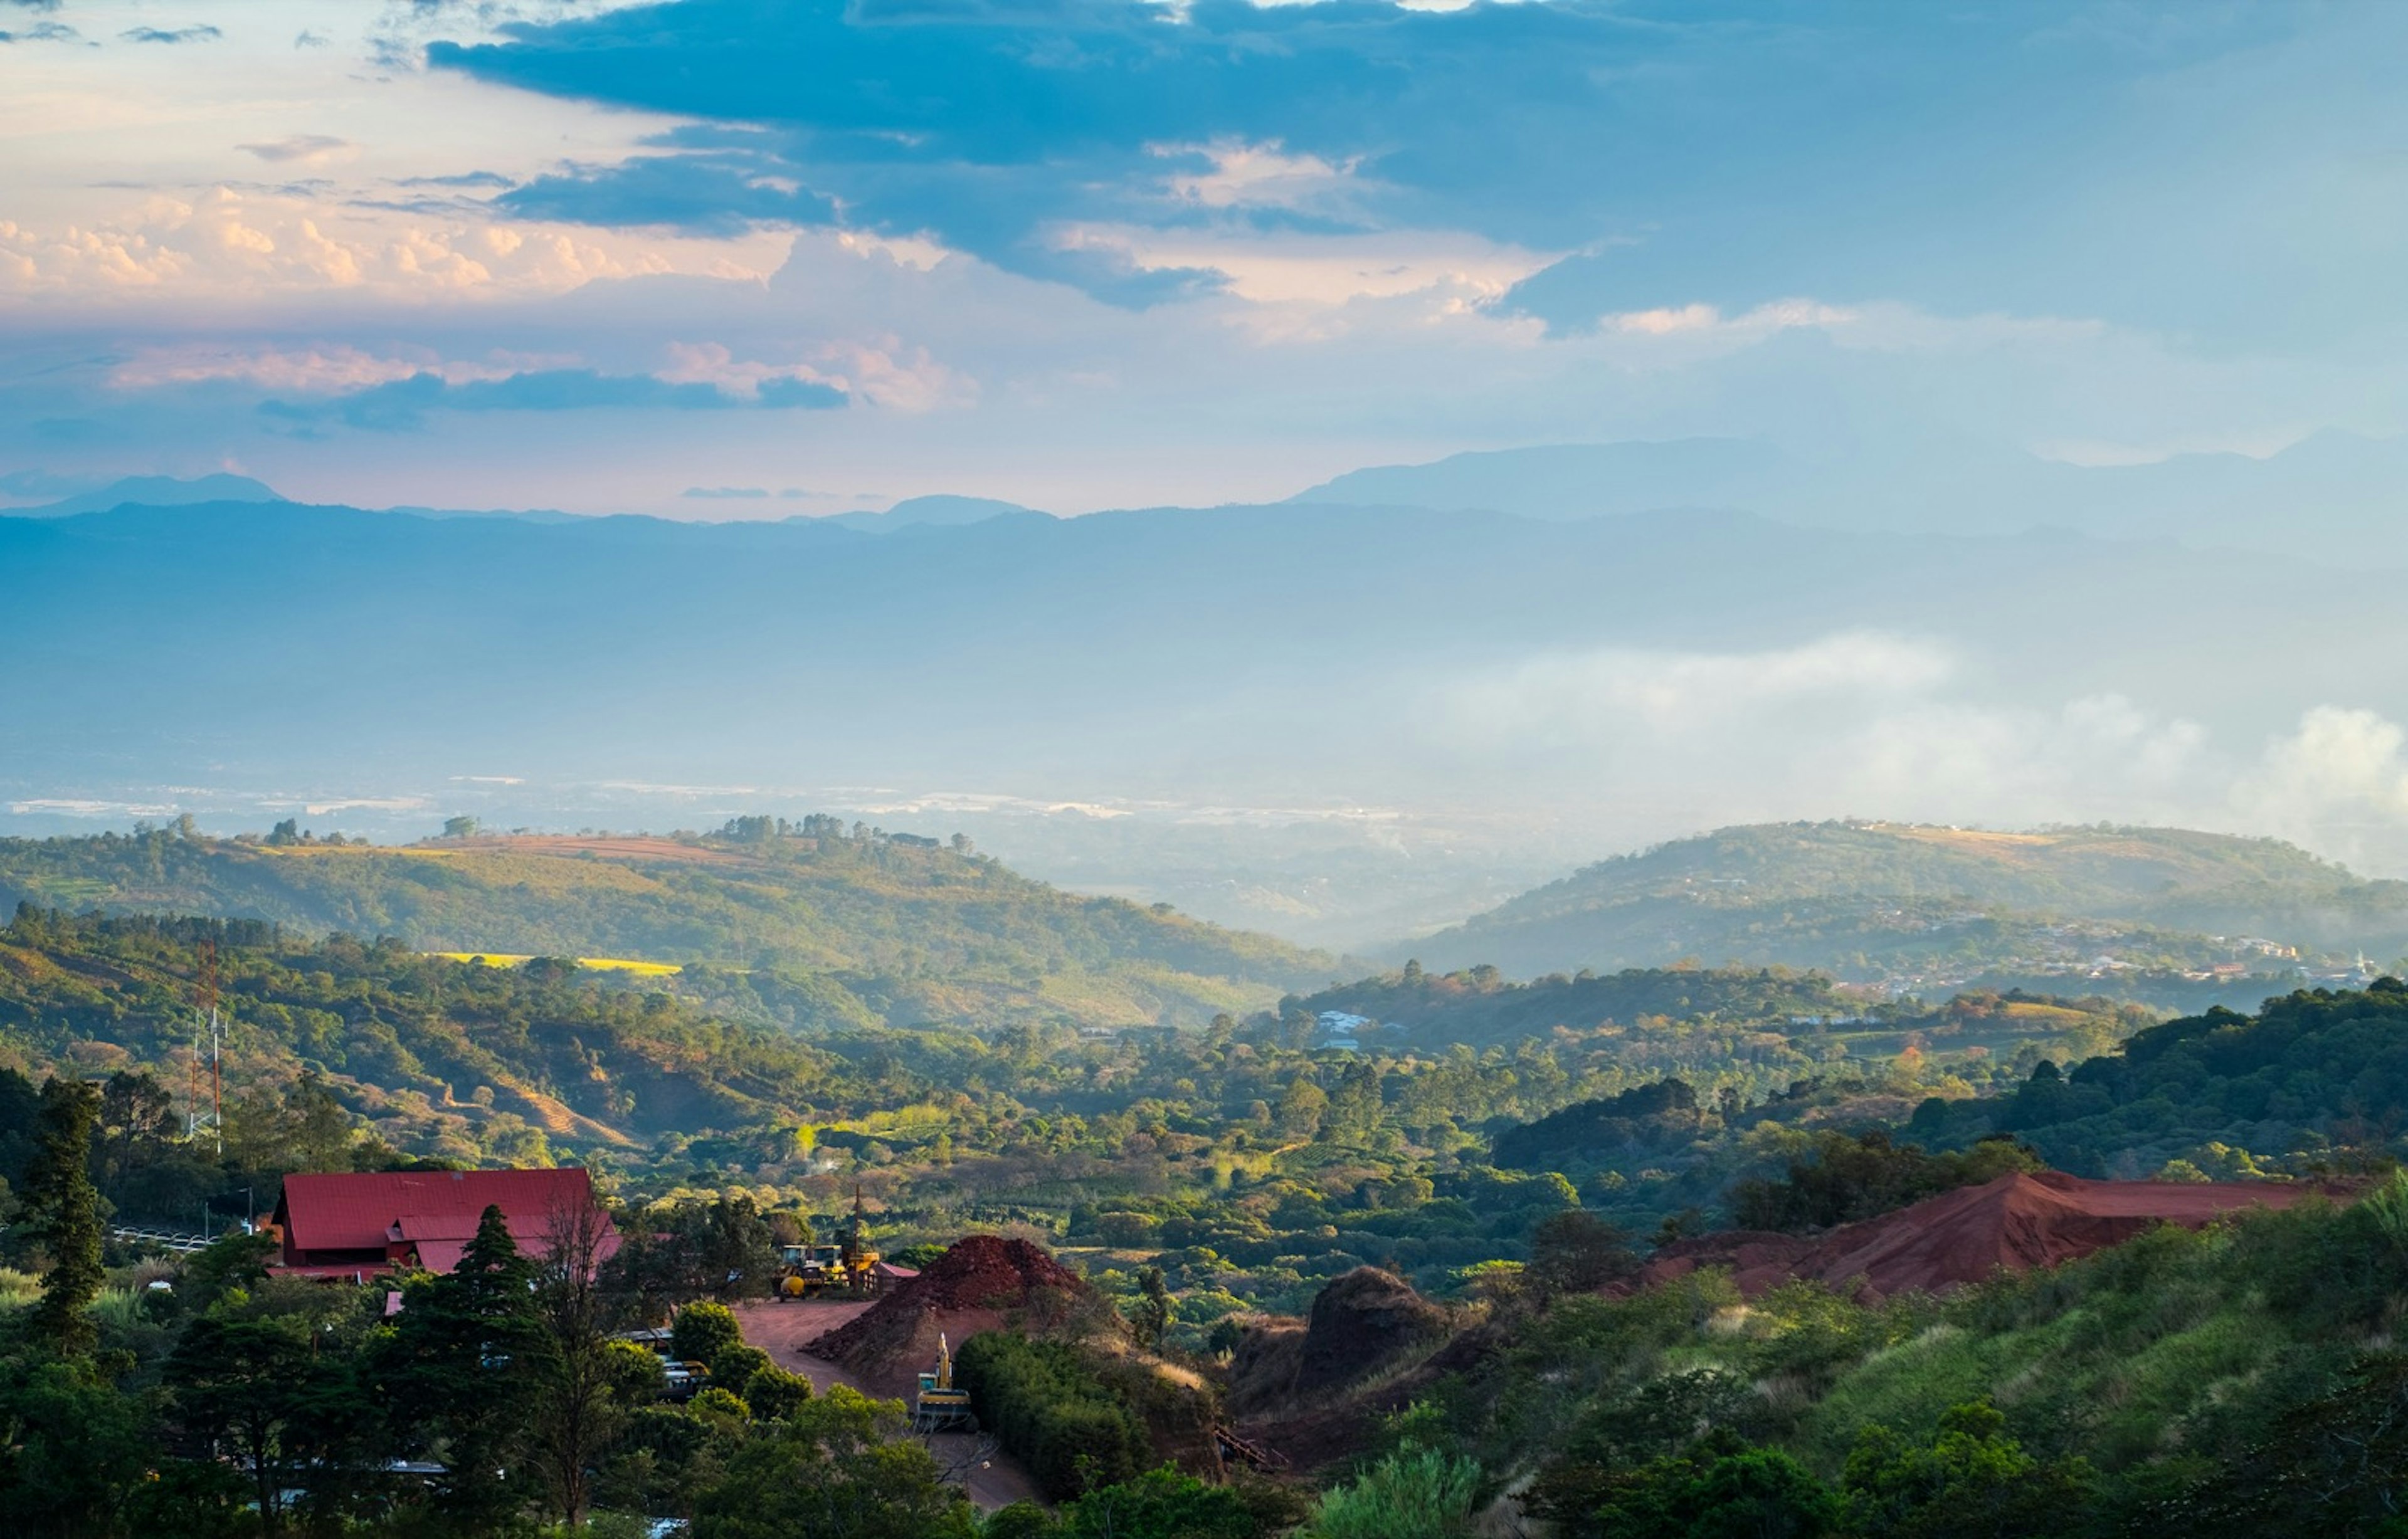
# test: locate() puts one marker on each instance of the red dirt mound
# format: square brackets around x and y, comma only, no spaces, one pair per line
[2017,1222]
[1362,1321]
[965,1290]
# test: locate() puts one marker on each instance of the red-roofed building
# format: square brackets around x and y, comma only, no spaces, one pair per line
[354,1225]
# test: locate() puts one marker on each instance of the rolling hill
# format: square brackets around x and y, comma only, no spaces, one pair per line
[1935,905]
[837,927]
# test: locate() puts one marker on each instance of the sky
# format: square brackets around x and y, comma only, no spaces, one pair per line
[759,258]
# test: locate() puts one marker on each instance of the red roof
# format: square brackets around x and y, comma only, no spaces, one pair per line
[434,1212]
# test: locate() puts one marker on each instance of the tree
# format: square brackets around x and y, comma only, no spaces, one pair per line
[305,1128]
[576,1414]
[65,1212]
[138,1162]
[1725,1489]
[258,1384]
[703,1331]
[1160,1505]
[1152,1307]
[71,1447]
[1970,1481]
[456,1372]
[1577,1252]
[1413,1493]
[835,1468]
[1302,1107]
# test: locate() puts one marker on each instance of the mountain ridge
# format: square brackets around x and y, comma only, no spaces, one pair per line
[1904,895]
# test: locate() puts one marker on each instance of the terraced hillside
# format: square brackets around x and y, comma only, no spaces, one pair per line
[847,926]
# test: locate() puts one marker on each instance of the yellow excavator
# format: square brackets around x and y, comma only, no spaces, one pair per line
[940,1406]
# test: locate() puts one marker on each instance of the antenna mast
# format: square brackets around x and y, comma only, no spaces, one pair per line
[214,1118]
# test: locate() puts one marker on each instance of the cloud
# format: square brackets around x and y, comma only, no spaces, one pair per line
[309,39]
[1726,156]
[307,148]
[2339,783]
[229,240]
[180,35]
[319,369]
[725,492]
[44,32]
[705,194]
[465,179]
[1563,700]
[403,405]
[1856,722]
[882,372]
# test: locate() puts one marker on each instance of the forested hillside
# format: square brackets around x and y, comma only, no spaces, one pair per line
[1932,907]
[854,926]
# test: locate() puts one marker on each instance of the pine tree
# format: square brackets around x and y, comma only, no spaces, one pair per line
[66,1211]
[457,1371]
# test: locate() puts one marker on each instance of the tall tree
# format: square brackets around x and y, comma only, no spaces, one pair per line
[456,1370]
[574,1413]
[260,1386]
[65,1216]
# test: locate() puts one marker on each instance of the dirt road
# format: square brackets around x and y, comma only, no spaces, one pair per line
[991,1478]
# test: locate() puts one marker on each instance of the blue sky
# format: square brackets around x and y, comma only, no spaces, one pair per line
[1085,253]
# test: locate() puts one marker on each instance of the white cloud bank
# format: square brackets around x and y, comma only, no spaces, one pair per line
[1657,742]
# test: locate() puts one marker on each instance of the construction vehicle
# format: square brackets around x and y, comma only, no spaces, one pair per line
[851,1267]
[940,1407]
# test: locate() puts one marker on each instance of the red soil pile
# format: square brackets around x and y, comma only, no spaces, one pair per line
[1361,1323]
[2017,1222]
[969,1289]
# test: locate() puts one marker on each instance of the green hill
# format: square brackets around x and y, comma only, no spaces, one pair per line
[437,1056]
[1928,908]
[850,927]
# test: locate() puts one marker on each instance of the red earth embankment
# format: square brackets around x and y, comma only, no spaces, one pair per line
[2017,1222]
[968,1289]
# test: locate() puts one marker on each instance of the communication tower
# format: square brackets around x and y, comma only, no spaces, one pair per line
[206,1023]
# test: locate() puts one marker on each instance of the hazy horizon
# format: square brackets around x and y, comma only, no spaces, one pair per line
[1492,439]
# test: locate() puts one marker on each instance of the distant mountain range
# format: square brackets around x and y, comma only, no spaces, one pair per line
[1147,654]
[1440,699]
[2334,495]
[1937,907]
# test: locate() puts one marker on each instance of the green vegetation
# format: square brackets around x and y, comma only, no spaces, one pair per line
[1931,908]
[2156,1386]
[810,924]
[2311,1084]
[1511,1148]
[1839,1180]
[1051,1409]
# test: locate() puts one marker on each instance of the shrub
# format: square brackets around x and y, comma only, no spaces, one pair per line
[1049,1408]
[773,1392]
[703,1331]
[734,1366]
[1413,1493]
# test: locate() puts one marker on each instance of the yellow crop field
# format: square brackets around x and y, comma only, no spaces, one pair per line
[600,964]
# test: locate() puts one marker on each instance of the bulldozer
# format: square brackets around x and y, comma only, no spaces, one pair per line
[851,1267]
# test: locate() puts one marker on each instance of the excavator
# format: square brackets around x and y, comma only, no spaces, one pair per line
[940,1406]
